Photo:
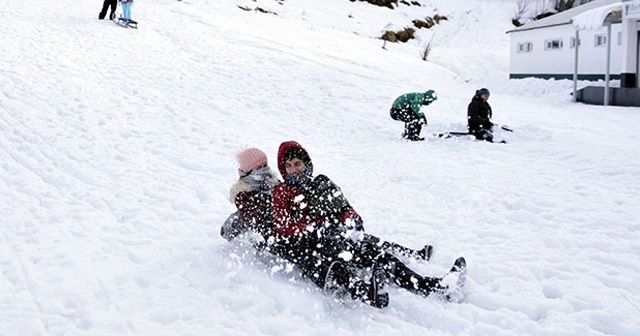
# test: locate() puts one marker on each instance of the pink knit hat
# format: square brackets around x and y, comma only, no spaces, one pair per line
[250,159]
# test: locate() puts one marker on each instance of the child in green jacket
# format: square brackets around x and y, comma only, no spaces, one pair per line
[407,108]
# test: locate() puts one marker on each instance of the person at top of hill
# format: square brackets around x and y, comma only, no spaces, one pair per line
[479,116]
[105,6]
[312,213]
[126,8]
[407,108]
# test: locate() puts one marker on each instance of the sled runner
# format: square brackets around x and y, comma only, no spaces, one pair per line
[126,23]
[449,135]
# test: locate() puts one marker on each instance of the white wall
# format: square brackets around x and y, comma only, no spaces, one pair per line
[592,60]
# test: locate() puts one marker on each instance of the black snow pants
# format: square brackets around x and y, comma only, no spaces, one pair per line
[370,254]
[406,278]
[318,261]
[108,3]
[412,122]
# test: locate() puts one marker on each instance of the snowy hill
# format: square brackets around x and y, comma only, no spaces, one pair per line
[116,156]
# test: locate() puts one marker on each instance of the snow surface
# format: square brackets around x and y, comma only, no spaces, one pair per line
[117,152]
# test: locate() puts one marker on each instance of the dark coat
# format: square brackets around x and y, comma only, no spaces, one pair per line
[479,114]
[254,204]
[254,208]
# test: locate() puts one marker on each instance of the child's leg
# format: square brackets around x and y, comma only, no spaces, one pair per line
[105,7]
[406,278]
[114,6]
[126,10]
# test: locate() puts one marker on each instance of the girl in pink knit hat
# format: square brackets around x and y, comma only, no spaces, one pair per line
[252,195]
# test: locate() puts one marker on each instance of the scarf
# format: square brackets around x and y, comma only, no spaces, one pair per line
[257,177]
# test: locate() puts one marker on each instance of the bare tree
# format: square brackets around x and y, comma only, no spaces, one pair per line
[523,6]
[545,8]
[427,49]
[563,5]
[521,11]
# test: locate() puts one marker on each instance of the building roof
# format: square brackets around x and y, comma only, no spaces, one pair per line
[596,18]
[563,18]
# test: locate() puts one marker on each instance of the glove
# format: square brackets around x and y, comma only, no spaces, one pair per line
[353,229]
[366,250]
[266,186]
[423,121]
[232,227]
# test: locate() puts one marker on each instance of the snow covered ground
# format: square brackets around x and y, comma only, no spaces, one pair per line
[116,155]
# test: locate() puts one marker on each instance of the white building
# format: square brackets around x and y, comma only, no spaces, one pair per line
[546,48]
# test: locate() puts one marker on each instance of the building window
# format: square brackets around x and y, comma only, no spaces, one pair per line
[619,38]
[601,40]
[572,42]
[555,44]
[525,47]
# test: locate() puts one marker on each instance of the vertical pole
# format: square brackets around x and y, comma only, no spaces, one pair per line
[608,73]
[629,60]
[575,68]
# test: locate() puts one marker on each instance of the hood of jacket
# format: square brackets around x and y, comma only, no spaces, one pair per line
[283,151]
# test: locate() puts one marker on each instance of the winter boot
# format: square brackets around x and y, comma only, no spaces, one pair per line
[451,283]
[340,279]
[369,294]
[373,292]
[232,227]
[426,252]
[379,278]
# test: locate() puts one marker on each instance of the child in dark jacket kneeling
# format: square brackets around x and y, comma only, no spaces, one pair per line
[479,116]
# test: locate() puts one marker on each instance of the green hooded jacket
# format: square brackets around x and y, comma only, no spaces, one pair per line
[415,100]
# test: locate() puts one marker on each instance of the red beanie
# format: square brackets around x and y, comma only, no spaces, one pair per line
[250,159]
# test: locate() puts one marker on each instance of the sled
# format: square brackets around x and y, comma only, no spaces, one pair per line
[126,23]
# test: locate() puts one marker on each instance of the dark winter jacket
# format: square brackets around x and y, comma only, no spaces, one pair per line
[313,205]
[479,114]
